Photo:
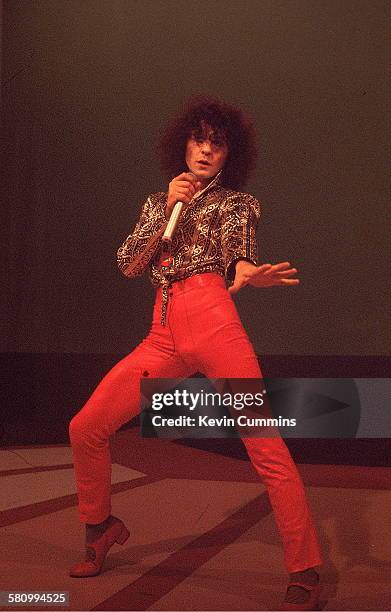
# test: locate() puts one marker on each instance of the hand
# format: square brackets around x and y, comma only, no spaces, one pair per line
[266,275]
[181,189]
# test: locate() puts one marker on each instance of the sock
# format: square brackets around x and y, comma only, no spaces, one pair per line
[297,594]
[93,532]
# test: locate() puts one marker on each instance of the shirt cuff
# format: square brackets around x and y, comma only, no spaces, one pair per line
[230,269]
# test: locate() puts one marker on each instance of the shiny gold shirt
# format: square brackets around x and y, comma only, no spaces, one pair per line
[214,231]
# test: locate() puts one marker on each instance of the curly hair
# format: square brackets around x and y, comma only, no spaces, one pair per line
[229,122]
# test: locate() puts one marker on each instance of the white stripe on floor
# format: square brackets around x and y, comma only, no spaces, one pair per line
[15,459]
[24,489]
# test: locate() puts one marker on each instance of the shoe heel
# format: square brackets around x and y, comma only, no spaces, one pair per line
[123,536]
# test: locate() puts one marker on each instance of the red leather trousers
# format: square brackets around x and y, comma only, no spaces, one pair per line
[203,333]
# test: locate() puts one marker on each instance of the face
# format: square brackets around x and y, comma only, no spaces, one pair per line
[206,153]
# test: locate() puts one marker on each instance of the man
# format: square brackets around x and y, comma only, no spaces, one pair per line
[208,152]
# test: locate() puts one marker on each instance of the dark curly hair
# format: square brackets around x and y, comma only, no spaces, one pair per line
[228,121]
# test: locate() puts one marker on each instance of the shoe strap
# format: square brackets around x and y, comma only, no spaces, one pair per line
[307,587]
[91,553]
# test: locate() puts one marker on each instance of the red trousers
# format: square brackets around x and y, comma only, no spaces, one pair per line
[203,333]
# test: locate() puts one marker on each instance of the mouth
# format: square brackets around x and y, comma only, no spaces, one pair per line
[203,163]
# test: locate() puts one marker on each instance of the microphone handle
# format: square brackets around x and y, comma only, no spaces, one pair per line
[173,222]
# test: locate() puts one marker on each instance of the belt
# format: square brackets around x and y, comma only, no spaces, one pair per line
[170,287]
[164,286]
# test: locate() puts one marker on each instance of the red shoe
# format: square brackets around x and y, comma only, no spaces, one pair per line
[97,551]
[311,604]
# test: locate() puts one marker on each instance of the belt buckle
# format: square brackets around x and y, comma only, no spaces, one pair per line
[166,263]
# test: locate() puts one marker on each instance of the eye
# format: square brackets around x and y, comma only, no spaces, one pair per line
[218,140]
[197,138]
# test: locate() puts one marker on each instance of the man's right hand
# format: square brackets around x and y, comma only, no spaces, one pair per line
[181,189]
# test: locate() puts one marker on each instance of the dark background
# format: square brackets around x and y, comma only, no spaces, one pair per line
[87,87]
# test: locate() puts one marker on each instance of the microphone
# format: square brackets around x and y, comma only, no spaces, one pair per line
[174,219]
[173,222]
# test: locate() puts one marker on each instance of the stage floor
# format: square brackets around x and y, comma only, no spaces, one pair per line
[203,535]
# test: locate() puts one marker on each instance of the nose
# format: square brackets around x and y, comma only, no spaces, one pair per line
[206,147]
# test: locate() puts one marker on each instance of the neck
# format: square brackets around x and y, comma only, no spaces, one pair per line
[207,181]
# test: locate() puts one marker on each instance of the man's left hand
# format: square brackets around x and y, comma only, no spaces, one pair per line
[266,275]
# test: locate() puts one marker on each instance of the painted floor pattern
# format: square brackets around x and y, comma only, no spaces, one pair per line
[203,535]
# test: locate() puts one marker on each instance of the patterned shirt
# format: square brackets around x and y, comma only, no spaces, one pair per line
[216,230]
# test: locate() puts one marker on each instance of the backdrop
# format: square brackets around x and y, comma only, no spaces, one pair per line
[87,88]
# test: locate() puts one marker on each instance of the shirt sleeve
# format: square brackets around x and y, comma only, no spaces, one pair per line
[135,253]
[238,233]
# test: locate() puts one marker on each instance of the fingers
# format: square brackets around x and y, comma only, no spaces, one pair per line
[182,188]
[238,284]
[289,281]
[280,266]
[186,180]
[285,273]
[264,267]
[280,271]
[283,277]
[185,185]
[268,275]
[183,193]
[234,288]
[186,176]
